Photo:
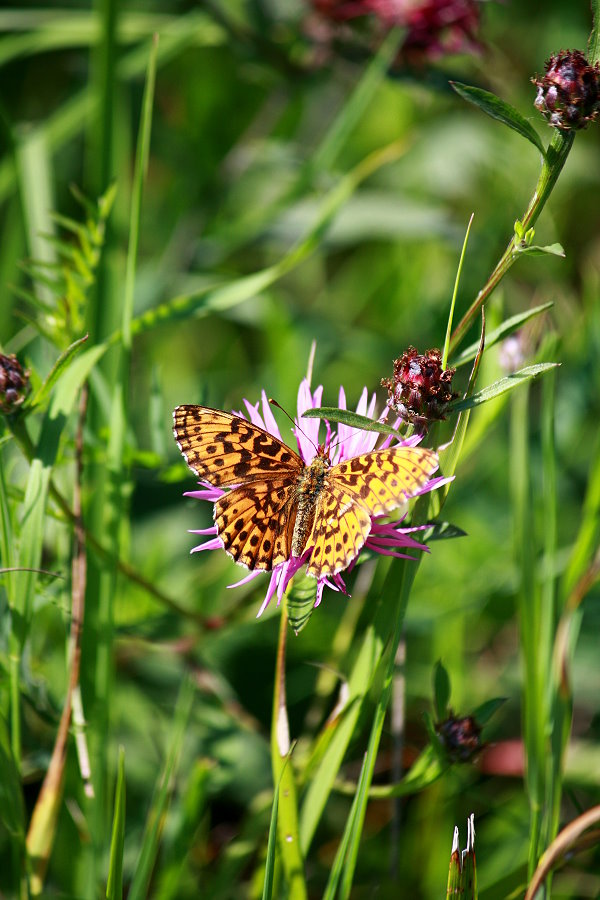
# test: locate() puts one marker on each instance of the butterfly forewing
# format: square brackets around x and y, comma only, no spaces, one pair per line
[385,479]
[226,449]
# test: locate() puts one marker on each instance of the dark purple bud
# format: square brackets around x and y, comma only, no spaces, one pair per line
[420,389]
[569,93]
[461,737]
[14,383]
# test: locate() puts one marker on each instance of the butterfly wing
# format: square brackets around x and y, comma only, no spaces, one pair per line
[372,484]
[225,449]
[385,479]
[255,522]
[340,529]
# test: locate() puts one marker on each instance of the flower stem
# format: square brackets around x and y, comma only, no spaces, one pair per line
[556,156]
[283,777]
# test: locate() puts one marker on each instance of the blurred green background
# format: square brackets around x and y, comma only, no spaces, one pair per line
[243,101]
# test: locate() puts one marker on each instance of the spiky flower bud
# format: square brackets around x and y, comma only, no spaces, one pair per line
[569,93]
[14,383]
[420,389]
[461,737]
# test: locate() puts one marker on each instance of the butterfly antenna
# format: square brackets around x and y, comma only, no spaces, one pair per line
[286,413]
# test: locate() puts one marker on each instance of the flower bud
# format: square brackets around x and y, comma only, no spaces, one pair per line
[461,737]
[14,383]
[569,93]
[420,389]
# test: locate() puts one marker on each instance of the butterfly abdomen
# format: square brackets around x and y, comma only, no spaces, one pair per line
[308,490]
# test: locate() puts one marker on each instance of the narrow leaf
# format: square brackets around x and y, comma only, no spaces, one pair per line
[500,110]
[502,386]
[594,39]
[301,602]
[347,417]
[454,293]
[58,368]
[114,885]
[12,808]
[271,846]
[71,378]
[441,690]
[482,714]
[156,817]
[549,250]
[498,334]
[442,531]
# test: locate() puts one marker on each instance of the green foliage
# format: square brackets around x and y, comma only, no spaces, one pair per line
[265,181]
[500,110]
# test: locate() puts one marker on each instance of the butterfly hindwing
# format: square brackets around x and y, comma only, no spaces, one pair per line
[341,527]
[226,449]
[385,479]
[255,522]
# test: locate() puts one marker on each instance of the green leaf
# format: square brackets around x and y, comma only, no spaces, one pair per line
[441,690]
[58,368]
[71,378]
[164,787]
[450,454]
[347,417]
[498,334]
[271,847]
[454,293]
[509,383]
[301,601]
[482,714]
[550,250]
[335,737]
[594,39]
[442,531]
[12,809]
[114,885]
[500,110]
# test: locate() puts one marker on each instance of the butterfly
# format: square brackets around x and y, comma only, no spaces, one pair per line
[278,506]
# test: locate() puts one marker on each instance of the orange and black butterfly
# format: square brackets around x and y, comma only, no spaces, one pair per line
[278,506]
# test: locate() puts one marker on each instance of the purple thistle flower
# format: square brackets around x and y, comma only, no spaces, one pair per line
[385,538]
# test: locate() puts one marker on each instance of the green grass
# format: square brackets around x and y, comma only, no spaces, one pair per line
[206,195]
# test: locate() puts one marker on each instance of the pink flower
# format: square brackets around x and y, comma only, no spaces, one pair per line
[386,538]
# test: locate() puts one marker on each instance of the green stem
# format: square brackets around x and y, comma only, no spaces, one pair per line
[283,775]
[552,165]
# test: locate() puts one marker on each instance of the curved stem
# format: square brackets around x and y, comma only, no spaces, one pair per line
[283,777]
[552,165]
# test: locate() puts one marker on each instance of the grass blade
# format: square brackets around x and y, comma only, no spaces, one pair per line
[455,292]
[271,846]
[114,885]
[158,809]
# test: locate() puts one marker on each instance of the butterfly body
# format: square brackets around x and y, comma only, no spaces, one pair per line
[309,487]
[278,506]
